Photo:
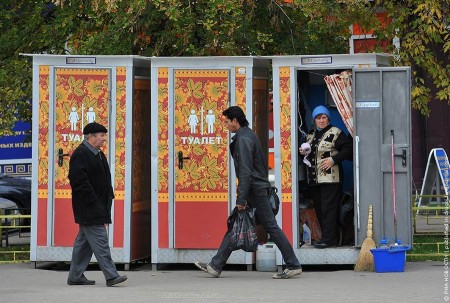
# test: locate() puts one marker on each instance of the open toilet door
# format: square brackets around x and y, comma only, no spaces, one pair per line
[382,105]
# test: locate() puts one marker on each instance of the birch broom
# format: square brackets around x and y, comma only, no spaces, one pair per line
[365,259]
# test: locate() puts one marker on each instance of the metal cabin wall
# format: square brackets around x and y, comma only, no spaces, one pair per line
[382,104]
[180,85]
[117,75]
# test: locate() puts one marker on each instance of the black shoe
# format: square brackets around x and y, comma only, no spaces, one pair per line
[321,245]
[116,280]
[82,282]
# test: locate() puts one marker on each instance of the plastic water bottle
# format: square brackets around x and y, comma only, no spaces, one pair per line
[395,244]
[399,244]
[306,233]
[384,244]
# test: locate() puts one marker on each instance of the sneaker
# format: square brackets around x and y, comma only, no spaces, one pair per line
[288,273]
[208,269]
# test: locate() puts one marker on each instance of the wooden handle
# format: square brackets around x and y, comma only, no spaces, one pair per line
[369,223]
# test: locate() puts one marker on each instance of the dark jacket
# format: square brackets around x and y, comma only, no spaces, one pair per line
[250,164]
[92,193]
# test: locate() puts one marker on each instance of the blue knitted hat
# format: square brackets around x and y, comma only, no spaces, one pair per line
[320,110]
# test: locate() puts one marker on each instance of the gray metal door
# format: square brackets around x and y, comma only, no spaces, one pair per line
[382,112]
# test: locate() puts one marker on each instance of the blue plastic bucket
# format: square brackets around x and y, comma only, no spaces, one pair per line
[390,260]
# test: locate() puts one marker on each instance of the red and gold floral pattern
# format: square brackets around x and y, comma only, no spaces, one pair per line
[119,178]
[163,134]
[163,157]
[200,91]
[201,186]
[42,169]
[285,134]
[43,131]
[77,90]
[240,89]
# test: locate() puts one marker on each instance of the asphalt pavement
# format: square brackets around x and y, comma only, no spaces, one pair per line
[420,282]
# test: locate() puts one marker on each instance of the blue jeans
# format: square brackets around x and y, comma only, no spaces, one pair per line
[260,201]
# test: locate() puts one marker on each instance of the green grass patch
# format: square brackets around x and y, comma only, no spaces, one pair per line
[15,253]
[427,248]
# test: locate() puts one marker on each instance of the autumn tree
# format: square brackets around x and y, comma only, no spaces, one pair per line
[423,30]
[214,27]
[26,27]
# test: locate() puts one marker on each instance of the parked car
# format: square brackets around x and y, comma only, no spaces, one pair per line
[7,207]
[15,198]
[16,189]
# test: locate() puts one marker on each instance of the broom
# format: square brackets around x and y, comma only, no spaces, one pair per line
[365,259]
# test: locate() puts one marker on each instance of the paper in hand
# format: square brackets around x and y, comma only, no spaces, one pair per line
[306,150]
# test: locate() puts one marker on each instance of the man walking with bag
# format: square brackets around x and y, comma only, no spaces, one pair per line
[253,189]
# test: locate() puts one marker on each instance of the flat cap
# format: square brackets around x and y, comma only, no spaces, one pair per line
[93,128]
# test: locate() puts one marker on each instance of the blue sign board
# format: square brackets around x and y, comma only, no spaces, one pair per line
[18,145]
[443,167]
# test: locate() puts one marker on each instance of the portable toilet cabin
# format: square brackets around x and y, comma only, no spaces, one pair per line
[379,100]
[69,92]
[193,182]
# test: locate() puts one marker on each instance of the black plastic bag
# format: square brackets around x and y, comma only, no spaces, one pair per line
[274,200]
[242,230]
